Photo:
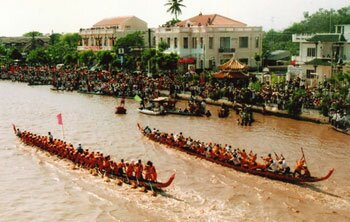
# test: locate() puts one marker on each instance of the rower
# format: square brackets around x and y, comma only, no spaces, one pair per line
[80,149]
[283,166]
[208,113]
[147,130]
[18,133]
[138,170]
[130,169]
[50,137]
[150,172]
[301,166]
[121,167]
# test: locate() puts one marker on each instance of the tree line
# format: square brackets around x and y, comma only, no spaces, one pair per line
[322,21]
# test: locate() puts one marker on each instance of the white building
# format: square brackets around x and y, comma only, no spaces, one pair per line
[104,34]
[321,54]
[210,40]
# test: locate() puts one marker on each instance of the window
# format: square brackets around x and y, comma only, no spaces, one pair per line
[201,42]
[243,60]
[168,41]
[243,42]
[257,42]
[311,52]
[310,74]
[211,63]
[211,42]
[194,42]
[175,43]
[225,42]
[185,43]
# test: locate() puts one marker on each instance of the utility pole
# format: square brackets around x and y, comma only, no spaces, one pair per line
[149,60]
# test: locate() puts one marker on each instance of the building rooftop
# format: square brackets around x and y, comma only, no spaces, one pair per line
[319,62]
[109,22]
[22,39]
[331,37]
[213,20]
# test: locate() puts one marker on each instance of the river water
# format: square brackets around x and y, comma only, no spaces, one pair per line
[37,187]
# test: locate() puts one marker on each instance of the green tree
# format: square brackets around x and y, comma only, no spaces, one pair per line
[175,7]
[38,56]
[71,39]
[149,55]
[55,38]
[162,46]
[104,58]
[294,105]
[131,40]
[167,61]
[172,22]
[322,21]
[71,58]
[15,54]
[33,34]
[87,57]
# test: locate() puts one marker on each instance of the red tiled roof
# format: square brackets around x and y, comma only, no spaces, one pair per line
[115,21]
[212,20]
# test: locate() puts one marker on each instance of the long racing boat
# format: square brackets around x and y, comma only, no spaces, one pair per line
[87,160]
[289,178]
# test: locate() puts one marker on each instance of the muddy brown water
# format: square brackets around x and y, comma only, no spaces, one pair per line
[37,187]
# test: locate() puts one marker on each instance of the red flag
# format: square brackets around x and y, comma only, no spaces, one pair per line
[59,119]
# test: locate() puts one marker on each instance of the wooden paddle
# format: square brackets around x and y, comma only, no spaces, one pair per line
[302,151]
[153,192]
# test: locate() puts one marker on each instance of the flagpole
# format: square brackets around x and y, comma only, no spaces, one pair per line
[62,131]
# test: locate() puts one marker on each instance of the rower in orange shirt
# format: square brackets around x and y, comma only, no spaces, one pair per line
[300,166]
[150,172]
[121,167]
[138,170]
[130,169]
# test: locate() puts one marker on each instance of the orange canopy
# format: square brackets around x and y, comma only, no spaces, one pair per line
[233,64]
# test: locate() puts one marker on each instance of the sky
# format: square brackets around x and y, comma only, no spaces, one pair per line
[62,16]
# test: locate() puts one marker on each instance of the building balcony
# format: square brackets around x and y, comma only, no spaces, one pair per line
[227,50]
[94,48]
[301,37]
[97,31]
[200,29]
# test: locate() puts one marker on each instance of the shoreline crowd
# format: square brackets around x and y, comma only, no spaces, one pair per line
[124,84]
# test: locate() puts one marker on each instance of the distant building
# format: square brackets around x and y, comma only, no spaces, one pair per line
[24,43]
[322,54]
[104,34]
[210,40]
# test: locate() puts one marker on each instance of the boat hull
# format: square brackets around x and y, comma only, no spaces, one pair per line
[155,186]
[150,112]
[271,175]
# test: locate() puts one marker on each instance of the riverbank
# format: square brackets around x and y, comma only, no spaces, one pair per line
[307,114]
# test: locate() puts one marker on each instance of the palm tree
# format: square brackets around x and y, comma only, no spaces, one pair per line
[175,7]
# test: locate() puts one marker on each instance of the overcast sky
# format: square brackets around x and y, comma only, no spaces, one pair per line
[20,16]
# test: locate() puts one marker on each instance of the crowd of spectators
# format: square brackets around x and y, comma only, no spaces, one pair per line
[129,84]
